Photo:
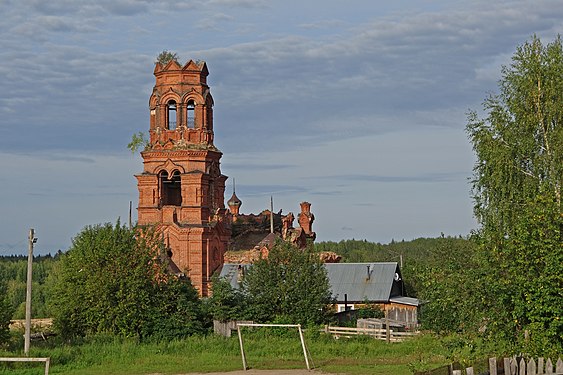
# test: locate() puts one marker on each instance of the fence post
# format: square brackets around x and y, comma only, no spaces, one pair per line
[549,366]
[456,372]
[522,367]
[507,368]
[469,371]
[540,365]
[531,368]
[493,366]
[559,366]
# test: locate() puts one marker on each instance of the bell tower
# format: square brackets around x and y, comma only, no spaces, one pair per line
[181,189]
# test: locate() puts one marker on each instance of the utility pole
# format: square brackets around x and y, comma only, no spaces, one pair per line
[27,335]
[130,209]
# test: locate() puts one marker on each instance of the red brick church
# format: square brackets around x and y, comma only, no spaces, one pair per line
[181,188]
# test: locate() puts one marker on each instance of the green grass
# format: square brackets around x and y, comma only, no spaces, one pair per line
[108,355]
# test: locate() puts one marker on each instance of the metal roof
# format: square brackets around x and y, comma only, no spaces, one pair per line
[405,301]
[362,281]
[233,272]
[346,279]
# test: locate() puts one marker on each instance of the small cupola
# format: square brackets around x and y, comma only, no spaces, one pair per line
[234,202]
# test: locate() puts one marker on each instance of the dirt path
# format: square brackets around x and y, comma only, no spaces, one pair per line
[262,372]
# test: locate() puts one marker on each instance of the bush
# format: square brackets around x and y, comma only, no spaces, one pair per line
[114,280]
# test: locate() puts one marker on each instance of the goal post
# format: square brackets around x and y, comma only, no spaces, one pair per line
[298,326]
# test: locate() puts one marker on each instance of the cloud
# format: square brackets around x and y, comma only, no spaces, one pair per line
[257,190]
[424,178]
[323,24]
[239,3]
[257,167]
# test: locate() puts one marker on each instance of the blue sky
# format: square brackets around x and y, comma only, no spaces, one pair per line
[359,109]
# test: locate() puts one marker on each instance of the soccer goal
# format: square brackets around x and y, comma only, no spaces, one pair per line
[298,326]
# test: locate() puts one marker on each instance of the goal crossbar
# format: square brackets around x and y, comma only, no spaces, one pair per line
[298,326]
[28,359]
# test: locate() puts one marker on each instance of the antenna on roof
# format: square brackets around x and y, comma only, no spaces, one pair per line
[233,185]
[271,214]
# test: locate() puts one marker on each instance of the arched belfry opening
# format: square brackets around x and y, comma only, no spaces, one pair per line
[190,114]
[171,114]
[170,188]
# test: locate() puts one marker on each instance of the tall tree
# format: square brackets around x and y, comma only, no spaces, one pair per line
[519,145]
[517,193]
[290,285]
[114,280]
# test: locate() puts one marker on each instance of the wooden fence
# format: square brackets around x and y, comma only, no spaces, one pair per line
[513,366]
[386,334]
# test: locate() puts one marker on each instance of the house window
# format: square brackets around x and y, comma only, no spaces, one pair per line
[171,115]
[342,307]
[190,114]
[171,188]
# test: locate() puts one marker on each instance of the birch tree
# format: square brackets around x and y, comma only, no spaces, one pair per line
[517,194]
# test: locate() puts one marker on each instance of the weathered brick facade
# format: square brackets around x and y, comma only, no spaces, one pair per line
[181,189]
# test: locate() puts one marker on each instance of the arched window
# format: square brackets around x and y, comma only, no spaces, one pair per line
[190,114]
[171,115]
[171,188]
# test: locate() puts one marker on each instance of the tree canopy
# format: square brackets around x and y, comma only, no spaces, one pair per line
[289,286]
[517,193]
[519,145]
[114,280]
[166,56]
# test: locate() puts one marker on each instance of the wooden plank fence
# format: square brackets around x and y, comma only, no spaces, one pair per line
[388,335]
[513,366]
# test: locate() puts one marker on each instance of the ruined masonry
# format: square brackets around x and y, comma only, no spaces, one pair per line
[181,189]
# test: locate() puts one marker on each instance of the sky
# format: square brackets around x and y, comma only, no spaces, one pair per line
[358,107]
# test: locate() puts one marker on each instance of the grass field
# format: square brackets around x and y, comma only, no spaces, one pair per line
[110,355]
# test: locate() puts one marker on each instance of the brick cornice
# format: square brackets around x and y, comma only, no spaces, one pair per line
[179,153]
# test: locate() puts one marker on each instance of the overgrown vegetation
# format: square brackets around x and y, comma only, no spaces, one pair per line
[102,354]
[165,57]
[289,286]
[114,280]
[138,142]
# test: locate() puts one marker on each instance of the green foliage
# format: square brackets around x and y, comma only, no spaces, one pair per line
[227,303]
[519,145]
[113,280]
[517,193]
[165,57]
[5,315]
[138,142]
[289,286]
[13,271]
[102,354]
[367,311]
[446,282]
